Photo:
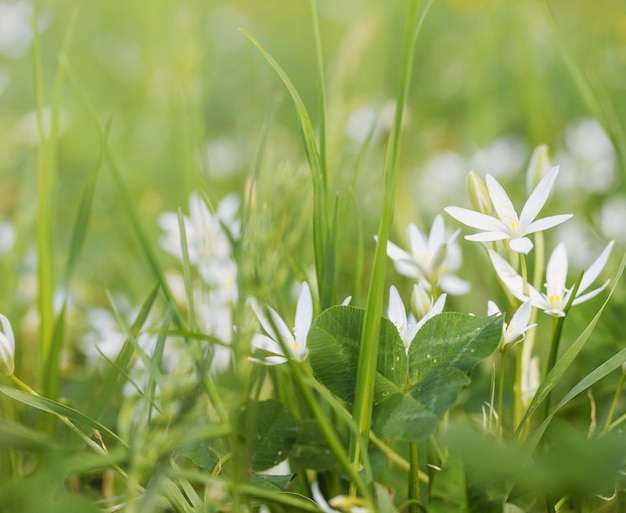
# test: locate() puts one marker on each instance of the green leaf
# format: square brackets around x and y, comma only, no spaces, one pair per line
[455,340]
[415,415]
[448,493]
[333,343]
[411,395]
[270,429]
[311,449]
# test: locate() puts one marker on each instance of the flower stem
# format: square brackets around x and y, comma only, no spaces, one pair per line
[618,393]
[557,330]
[500,395]
[414,482]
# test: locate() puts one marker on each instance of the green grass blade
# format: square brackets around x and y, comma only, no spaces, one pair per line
[117,374]
[50,406]
[45,213]
[368,355]
[561,366]
[50,380]
[320,202]
[321,91]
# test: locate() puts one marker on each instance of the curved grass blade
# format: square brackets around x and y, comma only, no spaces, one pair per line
[50,406]
[320,187]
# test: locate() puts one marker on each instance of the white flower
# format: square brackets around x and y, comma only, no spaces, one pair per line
[432,259]
[516,329]
[294,340]
[557,296]
[507,225]
[208,242]
[7,347]
[409,326]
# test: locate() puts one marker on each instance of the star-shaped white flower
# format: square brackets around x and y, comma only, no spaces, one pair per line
[294,340]
[557,295]
[7,347]
[408,326]
[516,329]
[432,259]
[507,225]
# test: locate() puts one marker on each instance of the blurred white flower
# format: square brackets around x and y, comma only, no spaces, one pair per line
[516,329]
[294,340]
[208,242]
[504,157]
[7,237]
[612,218]
[7,347]
[507,225]
[432,259]
[557,296]
[15,28]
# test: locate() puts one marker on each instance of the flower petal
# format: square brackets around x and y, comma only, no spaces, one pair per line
[417,241]
[397,312]
[454,285]
[538,197]
[589,295]
[594,270]
[511,280]
[437,236]
[395,253]
[492,308]
[488,236]
[556,272]
[304,314]
[502,204]
[476,219]
[545,223]
[521,245]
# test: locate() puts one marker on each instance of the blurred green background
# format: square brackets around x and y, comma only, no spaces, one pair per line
[188,96]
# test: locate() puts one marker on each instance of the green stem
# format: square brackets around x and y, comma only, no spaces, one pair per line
[618,393]
[500,394]
[414,482]
[368,354]
[557,330]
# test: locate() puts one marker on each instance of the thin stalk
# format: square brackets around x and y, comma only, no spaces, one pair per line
[518,404]
[500,394]
[616,397]
[557,330]
[368,354]
[414,482]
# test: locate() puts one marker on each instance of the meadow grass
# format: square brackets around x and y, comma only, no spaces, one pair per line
[200,202]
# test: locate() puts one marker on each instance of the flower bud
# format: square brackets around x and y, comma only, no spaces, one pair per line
[538,166]
[421,301]
[7,348]
[478,193]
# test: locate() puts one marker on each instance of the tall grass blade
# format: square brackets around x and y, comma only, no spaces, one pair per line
[320,200]
[368,355]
